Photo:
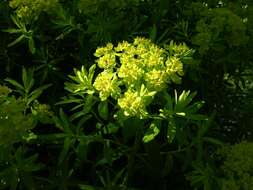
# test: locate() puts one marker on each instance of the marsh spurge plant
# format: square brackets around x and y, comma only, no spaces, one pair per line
[136,77]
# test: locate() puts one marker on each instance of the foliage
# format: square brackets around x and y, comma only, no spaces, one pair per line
[28,9]
[135,82]
[15,125]
[237,166]
[160,97]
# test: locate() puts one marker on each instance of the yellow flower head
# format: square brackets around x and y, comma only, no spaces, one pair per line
[156,79]
[130,72]
[132,104]
[108,49]
[106,84]
[174,68]
[31,9]
[139,70]
[107,61]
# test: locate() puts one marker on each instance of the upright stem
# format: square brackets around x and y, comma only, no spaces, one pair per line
[131,157]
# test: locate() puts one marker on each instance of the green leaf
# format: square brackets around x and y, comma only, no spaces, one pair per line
[29,164]
[36,93]
[184,99]
[31,45]
[153,33]
[24,77]
[19,39]
[89,187]
[15,83]
[151,133]
[69,101]
[77,115]
[91,73]
[12,30]
[89,102]
[64,122]
[171,130]
[40,89]
[163,35]
[103,110]
[213,141]
[116,179]
[197,117]
[27,78]
[82,148]
[83,120]
[68,142]
[112,128]
[195,107]
[77,107]
[169,101]
[17,22]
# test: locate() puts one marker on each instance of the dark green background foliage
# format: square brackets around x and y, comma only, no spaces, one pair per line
[56,133]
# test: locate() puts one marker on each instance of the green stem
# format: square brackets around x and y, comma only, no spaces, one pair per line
[131,158]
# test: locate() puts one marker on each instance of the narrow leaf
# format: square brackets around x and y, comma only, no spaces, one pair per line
[20,38]
[31,45]
[12,30]
[15,83]
[66,146]
[171,131]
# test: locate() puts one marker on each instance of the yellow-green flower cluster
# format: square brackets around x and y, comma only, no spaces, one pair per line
[138,59]
[107,57]
[156,79]
[130,72]
[31,9]
[134,72]
[132,104]
[174,69]
[107,85]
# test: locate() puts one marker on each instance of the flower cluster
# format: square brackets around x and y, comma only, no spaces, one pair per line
[107,85]
[134,72]
[31,9]
[134,102]
[107,57]
[174,69]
